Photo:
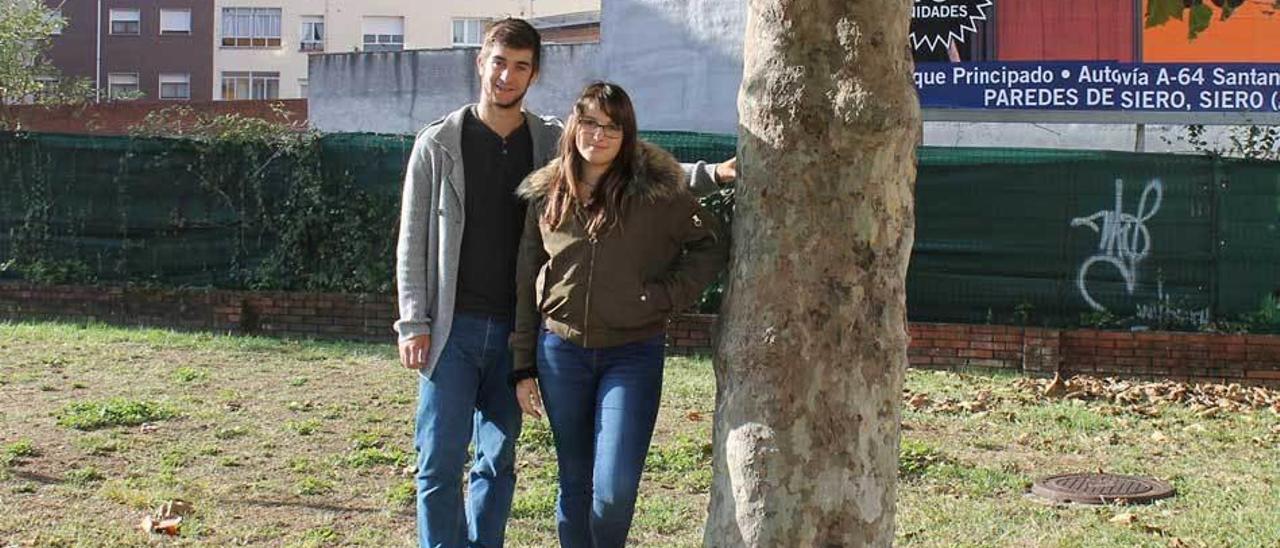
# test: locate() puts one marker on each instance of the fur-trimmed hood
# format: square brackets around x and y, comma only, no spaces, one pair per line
[656,176]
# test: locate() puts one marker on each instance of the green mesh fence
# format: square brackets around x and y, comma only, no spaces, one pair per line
[1003,235]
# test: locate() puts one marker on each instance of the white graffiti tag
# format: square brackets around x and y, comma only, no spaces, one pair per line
[1123,239]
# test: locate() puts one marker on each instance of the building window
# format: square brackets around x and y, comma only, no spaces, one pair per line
[125,21]
[122,85]
[312,38]
[250,85]
[175,21]
[251,27]
[383,33]
[175,86]
[468,32]
[48,86]
[302,88]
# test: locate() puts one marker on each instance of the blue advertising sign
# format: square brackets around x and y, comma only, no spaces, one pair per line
[1101,86]
[1122,61]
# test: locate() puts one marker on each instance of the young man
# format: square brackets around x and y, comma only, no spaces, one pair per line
[460,224]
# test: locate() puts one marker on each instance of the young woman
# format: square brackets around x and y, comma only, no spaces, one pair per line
[613,243]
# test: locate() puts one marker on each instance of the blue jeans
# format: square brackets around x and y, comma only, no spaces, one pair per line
[602,404]
[468,395]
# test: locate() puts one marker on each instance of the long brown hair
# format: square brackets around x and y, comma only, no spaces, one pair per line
[604,209]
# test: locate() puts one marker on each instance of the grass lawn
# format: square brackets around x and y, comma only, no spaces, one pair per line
[300,443]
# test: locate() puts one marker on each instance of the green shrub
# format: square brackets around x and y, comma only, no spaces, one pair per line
[113,412]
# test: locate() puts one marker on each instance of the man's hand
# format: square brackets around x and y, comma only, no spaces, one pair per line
[727,171]
[414,351]
[529,397]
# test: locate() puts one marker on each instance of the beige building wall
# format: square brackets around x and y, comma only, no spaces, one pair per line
[426,24]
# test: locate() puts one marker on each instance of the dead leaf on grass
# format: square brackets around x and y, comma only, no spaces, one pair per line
[171,525]
[177,507]
[1151,529]
[1146,410]
[1146,397]
[1113,439]
[1124,519]
[167,518]
[1209,412]
[1056,387]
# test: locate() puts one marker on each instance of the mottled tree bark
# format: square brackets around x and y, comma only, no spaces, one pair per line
[813,342]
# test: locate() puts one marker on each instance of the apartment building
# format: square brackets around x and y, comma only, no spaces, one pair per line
[261,46]
[154,49]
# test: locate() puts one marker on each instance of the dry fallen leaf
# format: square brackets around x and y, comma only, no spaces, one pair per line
[693,416]
[1151,529]
[1056,387]
[919,401]
[1125,518]
[167,518]
[1146,411]
[1159,437]
[1147,397]
[177,507]
[1176,542]
[169,525]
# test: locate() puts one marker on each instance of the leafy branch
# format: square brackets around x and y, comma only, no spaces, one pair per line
[1197,13]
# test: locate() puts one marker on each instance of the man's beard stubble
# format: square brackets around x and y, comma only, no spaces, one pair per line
[515,103]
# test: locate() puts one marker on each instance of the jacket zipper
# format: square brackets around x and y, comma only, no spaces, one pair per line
[586,316]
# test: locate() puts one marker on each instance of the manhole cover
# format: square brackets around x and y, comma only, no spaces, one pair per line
[1101,489]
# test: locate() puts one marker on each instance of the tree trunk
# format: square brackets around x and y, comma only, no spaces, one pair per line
[812,350]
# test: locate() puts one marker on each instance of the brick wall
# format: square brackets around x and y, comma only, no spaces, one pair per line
[1246,359]
[115,118]
[363,317]
[581,34]
[691,334]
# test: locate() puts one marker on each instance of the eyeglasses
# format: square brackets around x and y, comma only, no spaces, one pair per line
[590,126]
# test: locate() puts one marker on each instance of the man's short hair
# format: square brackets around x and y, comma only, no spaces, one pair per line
[514,33]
